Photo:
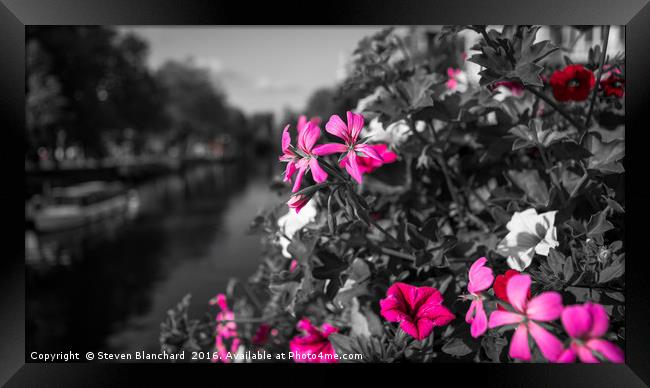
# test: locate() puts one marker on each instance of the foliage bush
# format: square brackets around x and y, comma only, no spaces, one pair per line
[505,198]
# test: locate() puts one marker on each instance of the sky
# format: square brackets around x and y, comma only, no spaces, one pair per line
[260,68]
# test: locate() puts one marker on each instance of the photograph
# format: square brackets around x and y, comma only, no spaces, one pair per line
[325,194]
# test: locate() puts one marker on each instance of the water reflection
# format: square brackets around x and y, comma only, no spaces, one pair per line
[107,287]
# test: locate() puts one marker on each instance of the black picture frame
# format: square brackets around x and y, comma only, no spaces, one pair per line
[16,14]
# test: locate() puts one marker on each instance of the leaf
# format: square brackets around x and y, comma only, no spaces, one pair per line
[331,268]
[597,226]
[343,344]
[606,156]
[532,185]
[556,261]
[456,347]
[613,271]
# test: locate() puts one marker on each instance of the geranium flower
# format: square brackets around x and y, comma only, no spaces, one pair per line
[301,159]
[544,307]
[349,133]
[613,85]
[368,165]
[417,309]
[499,286]
[573,83]
[225,331]
[457,81]
[530,233]
[480,279]
[586,324]
[315,342]
[297,202]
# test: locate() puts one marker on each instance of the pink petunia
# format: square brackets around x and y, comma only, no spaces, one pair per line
[352,149]
[586,324]
[368,165]
[313,346]
[417,309]
[301,159]
[544,307]
[480,279]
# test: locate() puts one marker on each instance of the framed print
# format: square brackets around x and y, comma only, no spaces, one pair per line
[210,187]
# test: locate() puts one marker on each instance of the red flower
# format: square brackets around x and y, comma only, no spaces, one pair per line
[573,83]
[499,286]
[613,86]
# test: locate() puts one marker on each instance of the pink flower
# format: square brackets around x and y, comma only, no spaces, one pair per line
[417,309]
[261,335]
[480,279]
[368,165]
[586,324]
[544,307]
[302,159]
[293,265]
[457,80]
[226,329]
[349,133]
[297,202]
[313,346]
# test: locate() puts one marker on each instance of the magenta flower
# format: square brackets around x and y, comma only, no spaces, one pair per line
[368,165]
[586,324]
[349,133]
[313,346]
[544,307]
[480,279]
[301,159]
[225,331]
[417,309]
[297,202]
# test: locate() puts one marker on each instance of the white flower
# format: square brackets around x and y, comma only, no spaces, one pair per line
[530,233]
[394,134]
[292,222]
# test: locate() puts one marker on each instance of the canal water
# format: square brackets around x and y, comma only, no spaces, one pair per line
[108,287]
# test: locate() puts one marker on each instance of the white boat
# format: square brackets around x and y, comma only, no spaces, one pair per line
[78,205]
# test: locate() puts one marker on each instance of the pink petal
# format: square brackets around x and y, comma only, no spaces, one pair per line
[337,127]
[479,324]
[599,319]
[517,290]
[576,321]
[302,121]
[289,171]
[546,306]
[500,318]
[608,350]
[329,148]
[440,315]
[548,344]
[425,327]
[586,355]
[469,316]
[410,328]
[480,276]
[519,344]
[424,298]
[308,137]
[568,356]
[302,167]
[317,172]
[368,151]
[355,125]
[352,167]
[286,139]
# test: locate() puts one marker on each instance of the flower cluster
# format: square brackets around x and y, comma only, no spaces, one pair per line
[356,157]
[533,316]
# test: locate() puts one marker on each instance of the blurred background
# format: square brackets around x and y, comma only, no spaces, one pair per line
[149,151]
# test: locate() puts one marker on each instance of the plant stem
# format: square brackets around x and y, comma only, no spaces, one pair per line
[594,92]
[395,253]
[554,106]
